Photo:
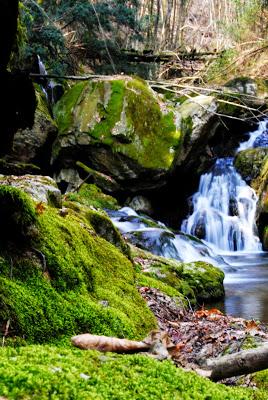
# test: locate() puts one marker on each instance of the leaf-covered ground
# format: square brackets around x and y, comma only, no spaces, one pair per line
[202,334]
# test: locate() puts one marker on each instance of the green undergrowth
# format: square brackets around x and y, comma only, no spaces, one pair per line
[43,372]
[85,284]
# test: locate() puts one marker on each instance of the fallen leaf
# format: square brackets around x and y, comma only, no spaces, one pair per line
[40,208]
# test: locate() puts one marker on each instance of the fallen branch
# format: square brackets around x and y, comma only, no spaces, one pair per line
[157,344]
[242,363]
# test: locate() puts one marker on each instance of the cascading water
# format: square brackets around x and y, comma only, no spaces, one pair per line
[224,210]
[48,87]
[224,207]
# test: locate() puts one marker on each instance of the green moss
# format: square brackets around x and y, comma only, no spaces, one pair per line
[91,195]
[148,281]
[261,380]
[65,107]
[205,280]
[17,213]
[253,165]
[104,228]
[85,285]
[42,104]
[108,114]
[156,136]
[43,372]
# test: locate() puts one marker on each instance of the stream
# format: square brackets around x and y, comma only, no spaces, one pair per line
[220,229]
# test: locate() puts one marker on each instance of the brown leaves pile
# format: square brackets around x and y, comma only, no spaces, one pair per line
[201,334]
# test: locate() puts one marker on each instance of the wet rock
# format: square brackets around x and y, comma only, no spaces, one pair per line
[233,207]
[200,227]
[141,204]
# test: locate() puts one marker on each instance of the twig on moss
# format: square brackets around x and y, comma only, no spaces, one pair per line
[6,332]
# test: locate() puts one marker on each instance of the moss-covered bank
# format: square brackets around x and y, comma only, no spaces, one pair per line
[43,372]
[67,279]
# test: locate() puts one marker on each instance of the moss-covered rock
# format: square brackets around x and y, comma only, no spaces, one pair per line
[68,281]
[196,281]
[91,195]
[117,126]
[62,373]
[17,214]
[251,165]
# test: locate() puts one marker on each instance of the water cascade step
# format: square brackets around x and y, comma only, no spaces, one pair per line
[224,210]
[224,207]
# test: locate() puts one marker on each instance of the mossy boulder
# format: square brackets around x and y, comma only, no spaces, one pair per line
[195,281]
[33,145]
[256,89]
[92,196]
[251,164]
[120,127]
[67,280]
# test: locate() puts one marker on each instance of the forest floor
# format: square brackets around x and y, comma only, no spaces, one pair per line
[204,334]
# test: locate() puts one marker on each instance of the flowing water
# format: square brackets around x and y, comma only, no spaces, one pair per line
[48,85]
[223,218]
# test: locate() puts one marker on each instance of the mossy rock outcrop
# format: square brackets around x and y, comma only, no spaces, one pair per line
[40,188]
[251,166]
[66,279]
[120,127]
[195,281]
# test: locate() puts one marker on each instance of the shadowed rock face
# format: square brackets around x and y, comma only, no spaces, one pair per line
[8,29]
[18,107]
[17,92]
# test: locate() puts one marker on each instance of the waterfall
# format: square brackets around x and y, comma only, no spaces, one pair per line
[224,207]
[49,85]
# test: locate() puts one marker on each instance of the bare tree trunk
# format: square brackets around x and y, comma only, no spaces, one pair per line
[244,362]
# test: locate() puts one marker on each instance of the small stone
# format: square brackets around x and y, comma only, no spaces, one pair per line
[84,376]
[55,369]
[63,212]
